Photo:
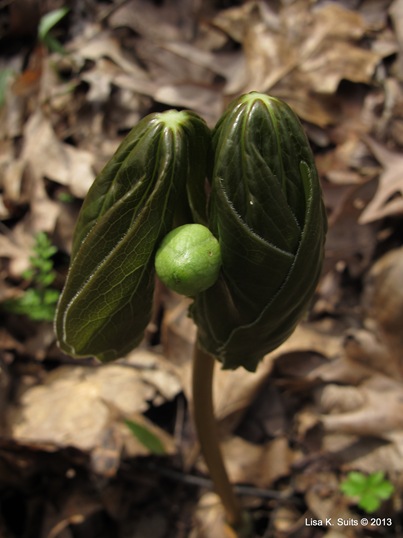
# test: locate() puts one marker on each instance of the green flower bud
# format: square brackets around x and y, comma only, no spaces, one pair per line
[267,212]
[107,299]
[188,260]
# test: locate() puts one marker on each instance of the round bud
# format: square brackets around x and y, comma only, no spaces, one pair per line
[188,259]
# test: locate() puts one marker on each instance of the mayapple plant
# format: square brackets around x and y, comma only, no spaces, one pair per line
[232,217]
[266,210]
[107,300]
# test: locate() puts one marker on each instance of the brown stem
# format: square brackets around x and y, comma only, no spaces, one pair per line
[207,431]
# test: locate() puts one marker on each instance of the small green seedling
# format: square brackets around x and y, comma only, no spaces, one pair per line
[146,437]
[46,24]
[369,490]
[5,75]
[39,301]
[65,197]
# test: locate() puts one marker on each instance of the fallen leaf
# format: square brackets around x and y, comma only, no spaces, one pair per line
[16,246]
[76,405]
[28,82]
[260,465]
[209,519]
[365,454]
[299,49]
[388,199]
[378,344]
[48,157]
[95,44]
[287,520]
[373,409]
[324,498]
[205,101]
[396,14]
[348,245]
[168,21]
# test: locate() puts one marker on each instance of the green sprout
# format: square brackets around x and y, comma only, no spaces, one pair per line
[65,197]
[46,24]
[5,75]
[146,437]
[232,217]
[38,302]
[369,490]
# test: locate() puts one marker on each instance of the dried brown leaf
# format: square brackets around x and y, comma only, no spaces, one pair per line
[347,243]
[379,343]
[324,498]
[388,199]
[16,246]
[328,66]
[168,21]
[365,454]
[260,465]
[203,100]
[299,49]
[48,157]
[396,14]
[76,405]
[95,44]
[210,519]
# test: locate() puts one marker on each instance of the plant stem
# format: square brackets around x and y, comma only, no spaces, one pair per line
[207,431]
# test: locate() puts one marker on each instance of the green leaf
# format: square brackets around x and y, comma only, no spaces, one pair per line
[5,74]
[49,21]
[65,197]
[38,302]
[146,438]
[107,299]
[35,304]
[355,484]
[267,212]
[369,490]
[46,279]
[369,502]
[385,489]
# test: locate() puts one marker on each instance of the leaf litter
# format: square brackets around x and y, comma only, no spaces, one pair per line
[325,403]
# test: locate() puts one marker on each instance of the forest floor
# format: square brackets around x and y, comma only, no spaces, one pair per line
[110,451]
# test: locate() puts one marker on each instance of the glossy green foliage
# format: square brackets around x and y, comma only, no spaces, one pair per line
[267,212]
[106,303]
[262,201]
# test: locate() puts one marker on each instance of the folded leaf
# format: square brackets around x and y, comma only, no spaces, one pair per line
[267,212]
[107,299]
